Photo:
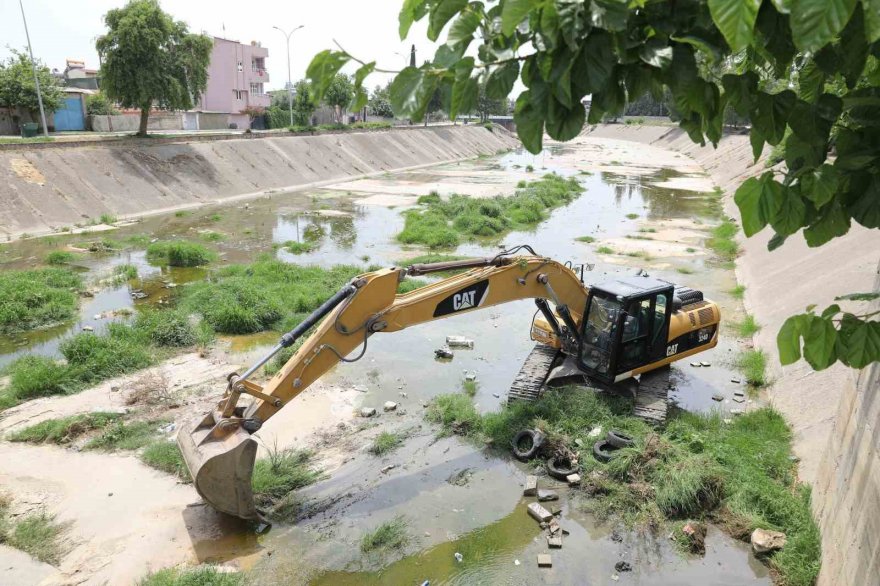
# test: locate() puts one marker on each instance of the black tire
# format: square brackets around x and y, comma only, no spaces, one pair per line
[603,450]
[558,470]
[526,444]
[618,439]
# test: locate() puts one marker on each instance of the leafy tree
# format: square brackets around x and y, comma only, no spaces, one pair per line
[303,103]
[99,105]
[18,90]
[149,59]
[339,95]
[487,106]
[379,103]
[618,51]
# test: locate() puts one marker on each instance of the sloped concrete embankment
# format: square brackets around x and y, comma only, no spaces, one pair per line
[835,413]
[47,188]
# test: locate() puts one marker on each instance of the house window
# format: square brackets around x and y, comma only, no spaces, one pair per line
[256,89]
[240,67]
[258,64]
[239,94]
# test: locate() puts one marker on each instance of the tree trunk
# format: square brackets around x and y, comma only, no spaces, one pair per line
[145,116]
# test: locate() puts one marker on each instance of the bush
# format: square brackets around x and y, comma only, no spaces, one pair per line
[299,247]
[60,257]
[386,442]
[179,253]
[100,105]
[39,376]
[37,298]
[753,364]
[456,413]
[167,327]
[92,358]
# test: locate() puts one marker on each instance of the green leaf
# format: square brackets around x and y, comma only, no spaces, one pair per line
[461,33]
[360,95]
[464,89]
[411,11]
[323,68]
[815,23]
[501,80]
[610,15]
[410,92]
[757,141]
[775,242]
[657,53]
[741,91]
[830,311]
[811,80]
[514,12]
[872,19]
[806,123]
[441,12]
[771,114]
[866,209]
[791,214]
[833,221]
[597,57]
[736,20]
[820,185]
[709,50]
[748,199]
[529,123]
[858,297]
[858,341]
[788,340]
[565,123]
[572,22]
[820,341]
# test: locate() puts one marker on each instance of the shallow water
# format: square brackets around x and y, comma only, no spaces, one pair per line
[484,520]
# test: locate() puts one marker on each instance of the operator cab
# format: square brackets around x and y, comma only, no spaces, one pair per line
[625,326]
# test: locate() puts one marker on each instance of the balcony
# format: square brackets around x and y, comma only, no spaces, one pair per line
[259,75]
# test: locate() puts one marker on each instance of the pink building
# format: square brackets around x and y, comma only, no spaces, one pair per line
[237,78]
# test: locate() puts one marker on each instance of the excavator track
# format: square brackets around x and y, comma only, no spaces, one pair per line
[652,398]
[529,381]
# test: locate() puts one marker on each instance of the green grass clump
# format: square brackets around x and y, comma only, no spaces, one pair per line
[280,474]
[179,253]
[60,257]
[748,327]
[455,413]
[685,270]
[470,387]
[37,298]
[738,292]
[605,250]
[529,168]
[723,241]
[167,327]
[243,299]
[198,576]
[92,358]
[389,535]
[107,219]
[386,442]
[65,429]
[124,273]
[299,247]
[123,435]
[37,376]
[212,236]
[443,223]
[753,364]
[632,216]
[38,534]
[587,239]
[165,456]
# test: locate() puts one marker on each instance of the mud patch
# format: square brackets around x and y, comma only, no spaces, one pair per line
[25,170]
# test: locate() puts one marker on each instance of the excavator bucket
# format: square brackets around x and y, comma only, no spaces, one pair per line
[220,459]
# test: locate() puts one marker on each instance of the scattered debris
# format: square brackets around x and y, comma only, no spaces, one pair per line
[515,562]
[615,577]
[539,512]
[739,400]
[458,557]
[765,540]
[389,406]
[461,477]
[554,542]
[496,395]
[443,353]
[459,342]
[138,294]
[526,443]
[388,467]
[595,432]
[531,487]
[88,329]
[696,537]
[470,376]
[367,411]
[696,364]
[547,495]
[735,380]
[705,364]
[794,459]
[717,397]
[553,526]
[573,479]
[623,567]
[544,560]
[402,395]
[616,537]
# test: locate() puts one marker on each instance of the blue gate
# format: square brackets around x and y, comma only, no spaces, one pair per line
[70,116]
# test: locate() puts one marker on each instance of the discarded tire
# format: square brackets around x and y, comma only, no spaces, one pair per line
[560,469]
[603,450]
[618,440]
[527,443]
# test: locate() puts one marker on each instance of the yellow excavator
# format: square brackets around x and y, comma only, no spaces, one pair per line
[609,332]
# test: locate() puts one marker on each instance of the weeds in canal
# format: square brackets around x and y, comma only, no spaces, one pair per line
[295,247]
[386,442]
[632,216]
[587,239]
[65,429]
[107,219]
[605,250]
[723,241]
[529,168]
[736,473]
[212,236]
[685,270]
[738,292]
[389,535]
[36,376]
[165,456]
[215,217]
[648,230]
[37,298]
[60,257]
[198,576]
[126,435]
[753,364]
[38,534]
[470,387]
[748,327]
[124,273]
[280,474]
[179,253]
[182,213]
[689,249]
[444,223]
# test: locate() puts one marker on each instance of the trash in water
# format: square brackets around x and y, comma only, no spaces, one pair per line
[443,353]
[459,342]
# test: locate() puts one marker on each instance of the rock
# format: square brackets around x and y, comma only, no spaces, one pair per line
[739,394]
[622,567]
[616,537]
[553,526]
[717,397]
[547,495]
[554,542]
[389,406]
[443,353]
[573,479]
[539,512]
[88,329]
[388,467]
[367,411]
[544,560]
[595,432]
[97,316]
[114,389]
[765,540]
[459,342]
[531,487]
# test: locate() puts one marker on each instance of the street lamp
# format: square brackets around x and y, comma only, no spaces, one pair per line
[289,80]
[34,67]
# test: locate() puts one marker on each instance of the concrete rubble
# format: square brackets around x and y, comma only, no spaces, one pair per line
[547,495]
[389,406]
[539,512]
[765,540]
[444,353]
[531,486]
[459,342]
[367,411]
[544,560]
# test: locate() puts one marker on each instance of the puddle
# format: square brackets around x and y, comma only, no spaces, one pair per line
[484,519]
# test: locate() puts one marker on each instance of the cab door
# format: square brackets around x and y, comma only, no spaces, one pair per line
[645,329]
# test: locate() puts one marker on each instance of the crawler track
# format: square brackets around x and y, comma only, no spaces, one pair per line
[529,382]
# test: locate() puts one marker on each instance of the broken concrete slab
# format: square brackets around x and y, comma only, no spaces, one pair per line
[531,486]
[717,397]
[459,342]
[573,479]
[544,560]
[765,540]
[539,512]
[367,411]
[547,495]
[554,542]
[389,406]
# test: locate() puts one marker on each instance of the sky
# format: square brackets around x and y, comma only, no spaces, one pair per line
[62,29]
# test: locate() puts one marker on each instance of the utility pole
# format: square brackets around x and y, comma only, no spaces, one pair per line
[34,67]
[289,80]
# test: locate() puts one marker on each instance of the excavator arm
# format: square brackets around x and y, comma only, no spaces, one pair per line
[219,450]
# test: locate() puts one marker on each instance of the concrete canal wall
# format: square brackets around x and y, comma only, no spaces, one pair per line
[835,413]
[54,185]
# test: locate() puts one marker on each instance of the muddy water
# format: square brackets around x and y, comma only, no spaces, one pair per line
[484,520]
